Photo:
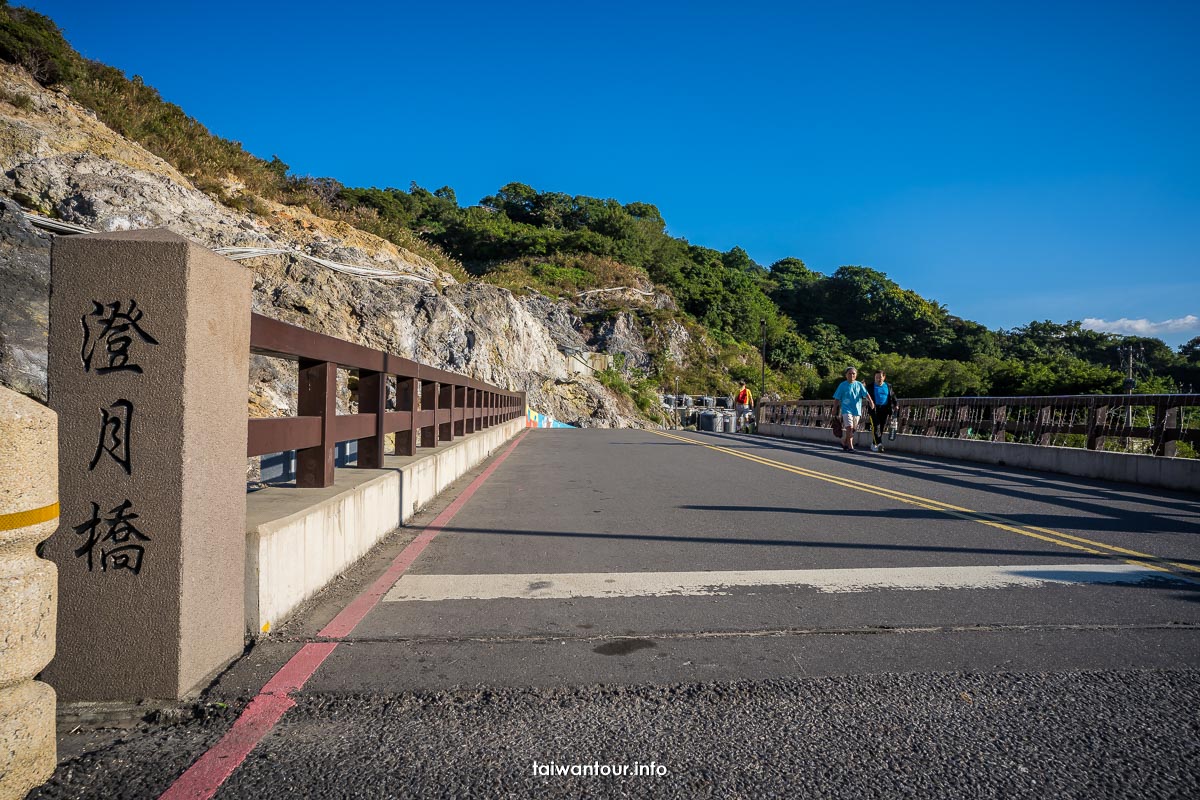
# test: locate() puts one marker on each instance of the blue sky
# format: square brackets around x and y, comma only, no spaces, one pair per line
[1014,161]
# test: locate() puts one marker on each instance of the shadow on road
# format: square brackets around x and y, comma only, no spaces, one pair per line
[985,479]
[1056,554]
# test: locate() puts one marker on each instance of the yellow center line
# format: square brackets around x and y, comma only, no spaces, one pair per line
[991,520]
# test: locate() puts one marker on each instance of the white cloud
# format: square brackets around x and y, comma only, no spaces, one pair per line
[1144,327]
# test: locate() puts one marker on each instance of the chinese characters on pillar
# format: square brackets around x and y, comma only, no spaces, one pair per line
[114,435]
[116,328]
[116,536]
[112,337]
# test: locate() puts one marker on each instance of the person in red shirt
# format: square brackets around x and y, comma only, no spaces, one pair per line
[742,405]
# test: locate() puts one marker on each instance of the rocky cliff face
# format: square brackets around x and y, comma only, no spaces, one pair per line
[57,159]
[24,312]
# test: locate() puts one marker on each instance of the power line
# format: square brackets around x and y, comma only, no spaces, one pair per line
[242,253]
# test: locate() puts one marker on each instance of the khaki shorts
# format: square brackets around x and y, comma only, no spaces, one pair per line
[849,423]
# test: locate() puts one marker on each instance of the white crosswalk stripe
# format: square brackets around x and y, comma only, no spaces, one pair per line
[663,584]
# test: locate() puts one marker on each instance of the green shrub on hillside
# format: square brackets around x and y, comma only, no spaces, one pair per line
[17,99]
[563,276]
[32,40]
[613,380]
[552,274]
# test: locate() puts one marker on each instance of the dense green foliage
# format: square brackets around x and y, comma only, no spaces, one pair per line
[562,245]
[33,41]
[815,324]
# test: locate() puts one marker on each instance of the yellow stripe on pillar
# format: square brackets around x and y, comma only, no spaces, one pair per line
[23,519]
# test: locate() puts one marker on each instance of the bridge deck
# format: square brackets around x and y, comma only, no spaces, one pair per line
[576,562]
[924,627]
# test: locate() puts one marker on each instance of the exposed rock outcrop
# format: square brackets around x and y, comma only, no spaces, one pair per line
[24,294]
[622,335]
[57,158]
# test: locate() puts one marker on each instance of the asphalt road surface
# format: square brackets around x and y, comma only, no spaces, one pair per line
[752,617]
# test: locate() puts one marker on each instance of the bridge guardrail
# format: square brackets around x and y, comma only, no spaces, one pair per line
[441,405]
[1161,420]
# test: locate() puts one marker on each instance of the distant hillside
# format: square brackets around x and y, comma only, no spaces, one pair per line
[713,306]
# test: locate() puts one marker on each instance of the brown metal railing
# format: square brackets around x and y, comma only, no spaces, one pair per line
[1161,421]
[441,405]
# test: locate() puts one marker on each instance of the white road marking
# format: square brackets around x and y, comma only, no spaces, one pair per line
[665,584]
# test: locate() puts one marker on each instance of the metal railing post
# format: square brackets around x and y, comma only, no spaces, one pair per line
[1166,421]
[429,409]
[1092,437]
[446,410]
[406,400]
[999,422]
[459,414]
[1041,436]
[317,397]
[372,399]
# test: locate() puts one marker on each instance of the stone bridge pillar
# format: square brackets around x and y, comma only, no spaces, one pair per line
[149,358]
[28,514]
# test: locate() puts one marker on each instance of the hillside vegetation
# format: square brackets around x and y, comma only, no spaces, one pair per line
[563,245]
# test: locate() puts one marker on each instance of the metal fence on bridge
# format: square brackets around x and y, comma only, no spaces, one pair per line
[1146,423]
[395,396]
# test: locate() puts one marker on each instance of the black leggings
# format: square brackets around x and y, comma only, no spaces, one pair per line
[879,421]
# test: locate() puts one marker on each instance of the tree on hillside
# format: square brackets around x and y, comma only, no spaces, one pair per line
[969,341]
[1046,339]
[1058,374]
[795,291]
[517,201]
[33,41]
[393,204]
[789,350]
[1154,355]
[864,301]
[931,377]
[830,349]
[1190,350]
[738,259]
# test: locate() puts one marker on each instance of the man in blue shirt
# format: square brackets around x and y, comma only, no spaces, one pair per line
[850,395]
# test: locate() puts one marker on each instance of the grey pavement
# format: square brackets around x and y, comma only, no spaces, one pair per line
[1067,688]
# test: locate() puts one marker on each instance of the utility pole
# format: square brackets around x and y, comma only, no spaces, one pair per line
[676,402]
[762,386]
[1127,353]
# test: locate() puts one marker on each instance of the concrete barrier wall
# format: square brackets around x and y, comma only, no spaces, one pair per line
[298,540]
[1182,474]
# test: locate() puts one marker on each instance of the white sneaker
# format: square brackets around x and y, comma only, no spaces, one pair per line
[874,448]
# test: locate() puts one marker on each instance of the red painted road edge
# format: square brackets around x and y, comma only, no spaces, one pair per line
[202,780]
